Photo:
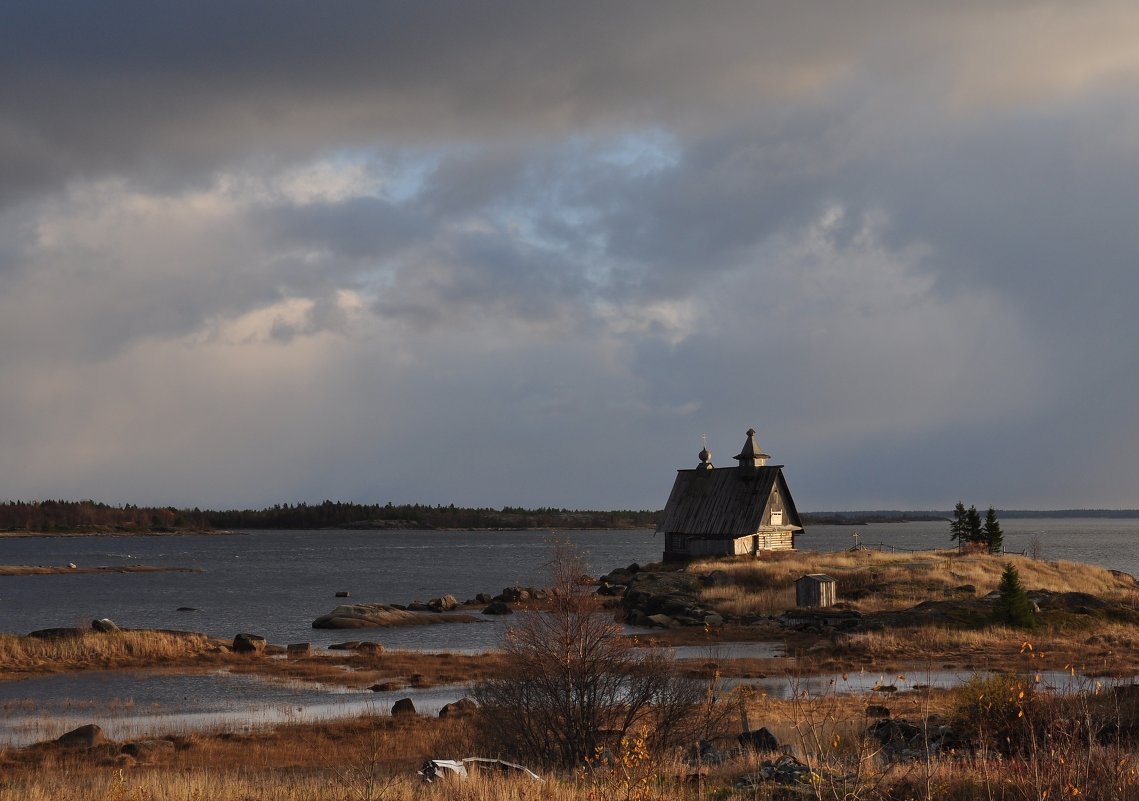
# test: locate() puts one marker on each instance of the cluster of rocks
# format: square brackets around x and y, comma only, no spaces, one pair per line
[500,604]
[91,737]
[902,739]
[786,771]
[444,609]
[460,708]
[662,599]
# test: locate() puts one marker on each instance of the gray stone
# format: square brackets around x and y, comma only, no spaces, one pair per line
[444,604]
[87,736]
[498,608]
[404,706]
[147,749]
[295,650]
[464,706]
[104,625]
[758,740]
[245,643]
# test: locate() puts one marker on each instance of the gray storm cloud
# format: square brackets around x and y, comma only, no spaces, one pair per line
[518,253]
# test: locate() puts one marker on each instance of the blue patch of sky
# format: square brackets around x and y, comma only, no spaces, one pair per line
[398,176]
[544,215]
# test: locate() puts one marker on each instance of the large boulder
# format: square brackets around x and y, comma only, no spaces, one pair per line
[758,740]
[464,706]
[444,604]
[404,706]
[361,616]
[104,625]
[87,736]
[498,608]
[57,633]
[246,643]
[296,650]
[144,750]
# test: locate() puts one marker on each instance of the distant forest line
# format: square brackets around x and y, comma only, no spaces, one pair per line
[93,516]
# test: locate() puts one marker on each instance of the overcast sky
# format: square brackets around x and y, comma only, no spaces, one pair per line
[528,253]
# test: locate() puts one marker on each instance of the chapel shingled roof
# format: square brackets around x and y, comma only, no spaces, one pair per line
[724,502]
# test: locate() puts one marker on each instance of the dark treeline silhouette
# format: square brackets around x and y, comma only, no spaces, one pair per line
[51,516]
[84,516]
[332,514]
[80,516]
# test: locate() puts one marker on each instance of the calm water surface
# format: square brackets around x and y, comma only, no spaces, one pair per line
[275,583]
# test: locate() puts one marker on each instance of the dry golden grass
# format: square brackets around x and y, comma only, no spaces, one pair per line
[733,599]
[25,656]
[874,581]
[376,758]
[97,650]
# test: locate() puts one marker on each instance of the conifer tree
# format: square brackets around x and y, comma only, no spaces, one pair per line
[1012,607]
[957,525]
[973,532]
[992,534]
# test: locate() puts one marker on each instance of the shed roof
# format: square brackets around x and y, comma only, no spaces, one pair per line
[819,578]
[725,502]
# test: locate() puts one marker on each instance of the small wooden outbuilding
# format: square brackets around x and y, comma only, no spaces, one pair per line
[814,590]
[729,511]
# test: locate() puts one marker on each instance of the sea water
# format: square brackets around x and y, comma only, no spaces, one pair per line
[274,583]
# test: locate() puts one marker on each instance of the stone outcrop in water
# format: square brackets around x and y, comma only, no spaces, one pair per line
[661,599]
[362,616]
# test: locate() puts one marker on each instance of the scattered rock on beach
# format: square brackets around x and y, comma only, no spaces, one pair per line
[295,650]
[498,608]
[104,625]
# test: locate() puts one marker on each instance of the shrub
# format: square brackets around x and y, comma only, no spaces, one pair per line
[1013,608]
[573,683]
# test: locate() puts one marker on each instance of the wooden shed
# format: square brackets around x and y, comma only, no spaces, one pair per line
[814,590]
[728,511]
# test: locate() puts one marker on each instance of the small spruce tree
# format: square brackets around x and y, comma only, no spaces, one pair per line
[973,534]
[992,534]
[957,525]
[1012,607]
